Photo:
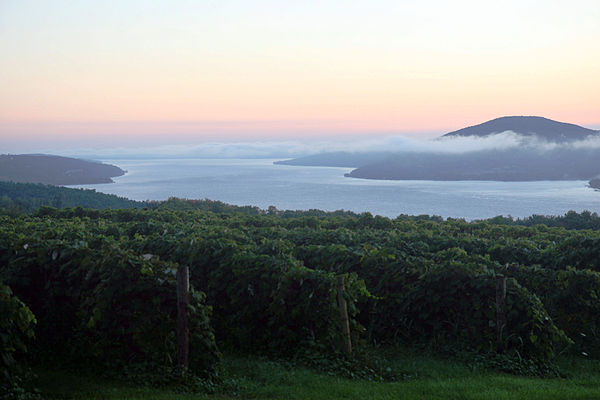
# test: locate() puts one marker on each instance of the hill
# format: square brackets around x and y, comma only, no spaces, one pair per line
[552,131]
[534,164]
[532,161]
[16,198]
[490,165]
[55,170]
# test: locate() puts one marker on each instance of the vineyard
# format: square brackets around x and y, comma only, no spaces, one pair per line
[99,286]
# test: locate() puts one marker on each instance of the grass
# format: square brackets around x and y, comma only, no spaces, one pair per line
[429,378]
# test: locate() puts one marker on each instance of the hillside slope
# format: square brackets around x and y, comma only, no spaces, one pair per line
[18,198]
[491,165]
[544,128]
[554,155]
[55,170]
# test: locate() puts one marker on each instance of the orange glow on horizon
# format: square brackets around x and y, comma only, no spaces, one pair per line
[234,71]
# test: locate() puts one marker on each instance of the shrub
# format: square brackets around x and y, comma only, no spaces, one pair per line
[16,328]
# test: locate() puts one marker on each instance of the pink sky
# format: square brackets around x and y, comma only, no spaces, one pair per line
[179,70]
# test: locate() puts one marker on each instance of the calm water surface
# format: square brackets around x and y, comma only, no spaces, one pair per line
[261,183]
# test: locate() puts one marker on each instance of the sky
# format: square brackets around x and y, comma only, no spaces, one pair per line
[99,73]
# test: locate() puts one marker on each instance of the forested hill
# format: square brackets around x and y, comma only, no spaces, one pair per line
[27,198]
[17,198]
[526,163]
[55,170]
[544,128]
[531,162]
[514,164]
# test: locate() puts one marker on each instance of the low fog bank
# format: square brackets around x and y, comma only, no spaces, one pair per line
[505,156]
[274,149]
[501,157]
[285,149]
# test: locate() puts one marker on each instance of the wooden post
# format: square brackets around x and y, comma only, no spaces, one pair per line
[344,314]
[500,310]
[183,328]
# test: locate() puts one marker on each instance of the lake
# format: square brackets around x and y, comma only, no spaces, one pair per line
[261,183]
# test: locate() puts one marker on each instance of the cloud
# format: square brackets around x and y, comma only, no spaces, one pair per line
[281,149]
[466,144]
[297,148]
[592,142]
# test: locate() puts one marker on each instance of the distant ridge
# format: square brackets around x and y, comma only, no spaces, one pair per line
[531,161]
[545,128]
[55,170]
[526,163]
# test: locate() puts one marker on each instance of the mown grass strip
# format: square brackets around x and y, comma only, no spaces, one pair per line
[433,378]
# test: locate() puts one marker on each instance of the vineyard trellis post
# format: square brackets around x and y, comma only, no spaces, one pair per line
[183,328]
[344,314]
[500,310]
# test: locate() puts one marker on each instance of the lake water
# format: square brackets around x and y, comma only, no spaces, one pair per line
[261,183]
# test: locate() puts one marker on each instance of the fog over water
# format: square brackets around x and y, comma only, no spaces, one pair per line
[282,149]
